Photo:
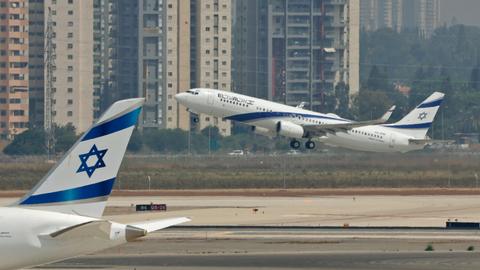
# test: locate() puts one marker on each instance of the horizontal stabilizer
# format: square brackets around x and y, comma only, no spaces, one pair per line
[155,225]
[96,228]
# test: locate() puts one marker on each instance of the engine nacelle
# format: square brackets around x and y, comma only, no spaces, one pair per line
[263,131]
[290,130]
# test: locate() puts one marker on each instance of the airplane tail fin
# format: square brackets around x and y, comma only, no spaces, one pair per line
[419,120]
[82,180]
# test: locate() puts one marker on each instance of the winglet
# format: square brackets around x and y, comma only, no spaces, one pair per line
[387,115]
[301,105]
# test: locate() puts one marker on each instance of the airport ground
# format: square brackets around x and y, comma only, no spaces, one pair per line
[294,233]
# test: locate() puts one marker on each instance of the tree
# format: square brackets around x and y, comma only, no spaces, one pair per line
[475,78]
[30,142]
[372,104]
[343,99]
[65,137]
[136,142]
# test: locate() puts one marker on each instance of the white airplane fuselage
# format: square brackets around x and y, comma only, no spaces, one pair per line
[264,115]
[24,239]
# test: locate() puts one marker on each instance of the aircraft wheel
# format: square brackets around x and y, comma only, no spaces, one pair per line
[310,144]
[294,144]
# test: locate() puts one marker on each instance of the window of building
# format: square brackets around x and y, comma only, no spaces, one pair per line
[70,12]
[69,113]
[69,46]
[70,79]
[70,101]
[70,90]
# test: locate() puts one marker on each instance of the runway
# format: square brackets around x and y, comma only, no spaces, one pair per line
[344,249]
[343,261]
[277,247]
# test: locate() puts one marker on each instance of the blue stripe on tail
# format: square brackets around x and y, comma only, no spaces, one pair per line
[431,104]
[99,189]
[117,124]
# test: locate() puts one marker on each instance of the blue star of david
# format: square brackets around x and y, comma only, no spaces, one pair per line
[422,115]
[84,159]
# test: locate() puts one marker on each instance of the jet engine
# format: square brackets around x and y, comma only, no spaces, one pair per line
[263,131]
[290,130]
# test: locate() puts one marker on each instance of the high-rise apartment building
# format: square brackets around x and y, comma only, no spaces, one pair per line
[14,70]
[142,48]
[419,15]
[115,52]
[213,43]
[36,59]
[296,51]
[176,62]
[250,48]
[72,74]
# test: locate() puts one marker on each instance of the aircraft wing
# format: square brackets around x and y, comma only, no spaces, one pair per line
[342,127]
[429,141]
[102,228]
[155,225]
[96,228]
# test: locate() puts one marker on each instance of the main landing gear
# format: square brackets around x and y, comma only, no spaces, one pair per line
[310,144]
[295,144]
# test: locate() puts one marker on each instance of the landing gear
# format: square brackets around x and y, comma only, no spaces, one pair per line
[310,144]
[195,119]
[294,144]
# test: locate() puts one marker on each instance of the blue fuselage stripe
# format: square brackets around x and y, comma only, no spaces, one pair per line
[81,193]
[431,104]
[117,124]
[411,126]
[262,115]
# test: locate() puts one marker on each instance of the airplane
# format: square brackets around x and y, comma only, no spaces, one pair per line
[274,119]
[61,217]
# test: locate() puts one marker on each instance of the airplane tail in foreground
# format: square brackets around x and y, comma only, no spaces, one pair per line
[419,120]
[82,181]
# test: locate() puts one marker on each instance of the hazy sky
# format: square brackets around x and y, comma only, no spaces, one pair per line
[465,11]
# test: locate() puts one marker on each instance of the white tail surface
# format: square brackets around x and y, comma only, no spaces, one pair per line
[82,181]
[419,120]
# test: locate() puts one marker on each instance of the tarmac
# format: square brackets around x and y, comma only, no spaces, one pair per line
[226,243]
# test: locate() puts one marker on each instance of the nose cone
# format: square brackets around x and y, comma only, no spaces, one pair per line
[181,97]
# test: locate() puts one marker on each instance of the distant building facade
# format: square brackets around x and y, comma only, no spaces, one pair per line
[144,51]
[14,69]
[302,51]
[420,15]
[213,52]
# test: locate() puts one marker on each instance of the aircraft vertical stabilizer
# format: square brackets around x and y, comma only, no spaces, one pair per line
[82,181]
[419,120]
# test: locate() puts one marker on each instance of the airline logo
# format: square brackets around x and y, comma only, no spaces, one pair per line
[235,99]
[95,153]
[422,116]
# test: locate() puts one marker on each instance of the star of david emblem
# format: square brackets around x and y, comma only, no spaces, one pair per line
[422,116]
[84,166]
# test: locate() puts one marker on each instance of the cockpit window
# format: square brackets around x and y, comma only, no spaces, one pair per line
[193,92]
